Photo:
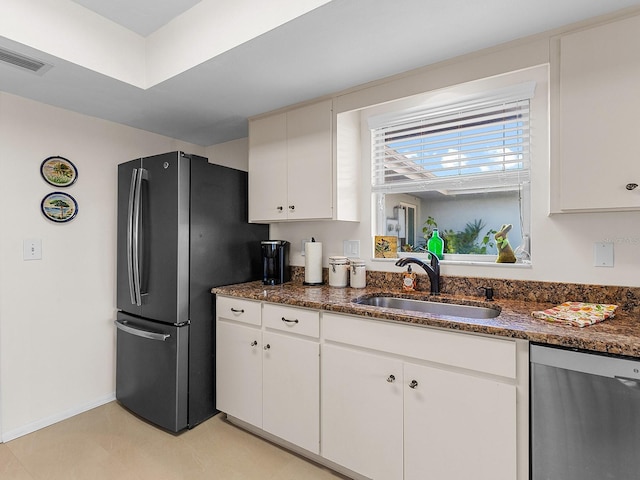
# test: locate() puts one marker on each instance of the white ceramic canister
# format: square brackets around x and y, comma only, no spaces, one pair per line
[358,276]
[338,271]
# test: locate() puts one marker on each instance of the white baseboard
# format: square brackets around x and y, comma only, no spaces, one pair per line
[45,422]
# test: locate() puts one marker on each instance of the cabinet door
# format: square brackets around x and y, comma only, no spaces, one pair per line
[291,389]
[362,412]
[309,157]
[239,371]
[599,104]
[268,168]
[458,426]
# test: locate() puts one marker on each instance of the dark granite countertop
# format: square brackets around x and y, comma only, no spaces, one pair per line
[620,335]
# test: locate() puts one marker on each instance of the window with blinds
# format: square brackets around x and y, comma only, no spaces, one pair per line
[467,148]
[461,162]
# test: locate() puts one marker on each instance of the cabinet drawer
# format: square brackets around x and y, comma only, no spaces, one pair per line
[239,310]
[483,354]
[291,319]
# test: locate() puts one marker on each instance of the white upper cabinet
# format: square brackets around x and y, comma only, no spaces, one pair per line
[594,158]
[293,173]
[268,169]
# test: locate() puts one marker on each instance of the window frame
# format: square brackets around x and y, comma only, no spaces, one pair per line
[470,91]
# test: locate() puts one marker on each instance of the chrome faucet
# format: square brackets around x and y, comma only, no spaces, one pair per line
[433,270]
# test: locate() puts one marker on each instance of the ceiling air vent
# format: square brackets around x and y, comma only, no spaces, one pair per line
[23,62]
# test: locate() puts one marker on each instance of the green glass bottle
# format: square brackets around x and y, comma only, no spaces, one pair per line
[436,244]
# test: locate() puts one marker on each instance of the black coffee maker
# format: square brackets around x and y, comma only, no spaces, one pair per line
[275,262]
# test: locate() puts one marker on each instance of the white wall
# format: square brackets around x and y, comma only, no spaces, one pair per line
[234,154]
[562,245]
[56,331]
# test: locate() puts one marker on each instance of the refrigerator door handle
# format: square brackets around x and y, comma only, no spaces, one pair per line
[138,332]
[135,236]
[130,260]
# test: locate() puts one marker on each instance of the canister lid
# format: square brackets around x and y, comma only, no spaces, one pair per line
[338,260]
[356,262]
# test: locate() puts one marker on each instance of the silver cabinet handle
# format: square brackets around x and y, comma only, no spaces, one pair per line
[413,384]
[391,378]
[289,321]
[267,346]
[235,310]
[138,332]
[254,343]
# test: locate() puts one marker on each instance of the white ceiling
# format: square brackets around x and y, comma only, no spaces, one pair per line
[140,16]
[333,46]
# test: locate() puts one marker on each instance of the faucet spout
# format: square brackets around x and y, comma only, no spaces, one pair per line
[432,269]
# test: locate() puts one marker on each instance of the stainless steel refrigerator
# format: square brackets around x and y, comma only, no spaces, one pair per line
[182,229]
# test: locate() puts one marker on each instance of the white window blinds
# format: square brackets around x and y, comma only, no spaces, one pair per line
[482,145]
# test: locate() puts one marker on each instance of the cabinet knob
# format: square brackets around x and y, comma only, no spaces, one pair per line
[279,208]
[631,186]
[413,384]
[254,343]
[391,378]
[267,346]
[292,207]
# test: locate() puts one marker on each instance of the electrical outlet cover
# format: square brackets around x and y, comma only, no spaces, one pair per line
[603,254]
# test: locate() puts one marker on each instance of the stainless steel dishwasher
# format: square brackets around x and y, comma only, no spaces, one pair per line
[585,416]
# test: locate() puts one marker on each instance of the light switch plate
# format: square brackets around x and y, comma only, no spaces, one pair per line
[351,248]
[603,254]
[32,249]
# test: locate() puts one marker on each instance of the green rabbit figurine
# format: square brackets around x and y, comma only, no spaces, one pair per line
[505,252]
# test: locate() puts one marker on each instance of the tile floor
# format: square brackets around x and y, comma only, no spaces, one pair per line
[108,443]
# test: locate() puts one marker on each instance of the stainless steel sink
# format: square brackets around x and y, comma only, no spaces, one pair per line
[435,308]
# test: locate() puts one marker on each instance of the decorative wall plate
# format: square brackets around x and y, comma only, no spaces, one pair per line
[59,207]
[58,171]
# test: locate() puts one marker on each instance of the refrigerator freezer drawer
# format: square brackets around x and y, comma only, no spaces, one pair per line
[152,370]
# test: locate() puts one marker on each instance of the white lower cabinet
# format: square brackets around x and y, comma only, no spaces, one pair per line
[268,371]
[239,359]
[362,412]
[291,389]
[395,407]
[457,426]
[382,400]
[378,410]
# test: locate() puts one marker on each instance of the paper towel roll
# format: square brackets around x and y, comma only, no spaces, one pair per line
[313,262]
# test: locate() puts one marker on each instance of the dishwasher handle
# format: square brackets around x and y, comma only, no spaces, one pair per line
[139,332]
[589,363]
[629,382]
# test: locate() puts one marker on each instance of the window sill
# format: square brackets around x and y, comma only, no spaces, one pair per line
[460,259]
